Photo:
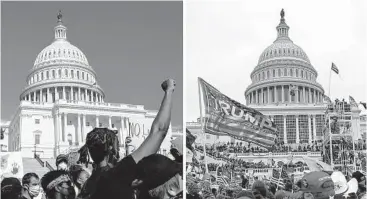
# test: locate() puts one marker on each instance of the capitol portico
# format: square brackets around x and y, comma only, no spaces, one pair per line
[62,102]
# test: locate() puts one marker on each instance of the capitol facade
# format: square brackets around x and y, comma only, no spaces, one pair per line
[299,117]
[62,102]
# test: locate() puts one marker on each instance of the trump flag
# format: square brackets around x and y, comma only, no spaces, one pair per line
[224,116]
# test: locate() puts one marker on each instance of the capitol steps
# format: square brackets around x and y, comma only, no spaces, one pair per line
[32,165]
[210,159]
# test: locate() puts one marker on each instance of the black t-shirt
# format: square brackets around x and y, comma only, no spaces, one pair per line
[115,182]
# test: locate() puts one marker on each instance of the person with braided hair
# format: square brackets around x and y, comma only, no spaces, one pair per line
[112,178]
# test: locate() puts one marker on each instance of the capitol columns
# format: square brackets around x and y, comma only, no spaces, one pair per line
[83,131]
[48,95]
[268,94]
[65,126]
[59,127]
[283,94]
[109,122]
[41,95]
[275,95]
[85,92]
[63,93]
[314,127]
[79,130]
[297,129]
[71,93]
[97,121]
[304,94]
[309,130]
[57,94]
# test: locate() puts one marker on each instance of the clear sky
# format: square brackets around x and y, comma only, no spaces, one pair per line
[132,46]
[225,39]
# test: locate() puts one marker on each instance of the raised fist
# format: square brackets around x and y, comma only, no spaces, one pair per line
[169,85]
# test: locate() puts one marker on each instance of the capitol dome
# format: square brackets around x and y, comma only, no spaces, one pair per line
[61,71]
[284,74]
[61,51]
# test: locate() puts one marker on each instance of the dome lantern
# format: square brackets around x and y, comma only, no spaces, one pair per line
[60,29]
[282,28]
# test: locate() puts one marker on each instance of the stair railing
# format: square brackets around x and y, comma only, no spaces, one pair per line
[39,160]
[49,166]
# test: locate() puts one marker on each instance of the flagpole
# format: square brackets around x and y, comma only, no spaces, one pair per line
[329,84]
[202,129]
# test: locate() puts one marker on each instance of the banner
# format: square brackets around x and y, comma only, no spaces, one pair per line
[316,165]
[11,165]
[224,116]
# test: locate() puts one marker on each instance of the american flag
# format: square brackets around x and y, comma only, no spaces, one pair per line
[245,124]
[352,101]
[221,180]
[334,68]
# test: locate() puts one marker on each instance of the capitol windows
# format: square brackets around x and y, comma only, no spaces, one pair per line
[47,75]
[279,73]
[301,73]
[66,73]
[77,74]
[83,75]
[285,72]
[37,121]
[291,71]
[41,75]
[53,73]
[263,77]
[72,73]
[268,75]
[296,72]
[87,77]
[273,72]
[37,139]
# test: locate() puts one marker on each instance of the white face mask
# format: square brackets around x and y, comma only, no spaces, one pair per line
[62,166]
[34,191]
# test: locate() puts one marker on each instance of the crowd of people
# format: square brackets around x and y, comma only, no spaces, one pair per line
[315,184]
[139,175]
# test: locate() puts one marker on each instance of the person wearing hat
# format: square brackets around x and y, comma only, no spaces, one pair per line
[57,185]
[340,184]
[62,162]
[319,184]
[11,188]
[159,176]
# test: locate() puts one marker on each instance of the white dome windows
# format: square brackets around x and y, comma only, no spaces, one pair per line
[285,72]
[279,72]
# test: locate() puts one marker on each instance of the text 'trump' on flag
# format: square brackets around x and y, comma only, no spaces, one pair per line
[224,116]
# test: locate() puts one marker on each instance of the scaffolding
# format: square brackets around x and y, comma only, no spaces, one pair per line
[338,142]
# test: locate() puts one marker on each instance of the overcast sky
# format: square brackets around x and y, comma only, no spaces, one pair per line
[132,46]
[225,39]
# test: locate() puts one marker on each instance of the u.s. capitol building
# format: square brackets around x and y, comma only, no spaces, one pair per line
[62,102]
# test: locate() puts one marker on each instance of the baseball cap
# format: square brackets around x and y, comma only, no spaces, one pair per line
[61,158]
[319,184]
